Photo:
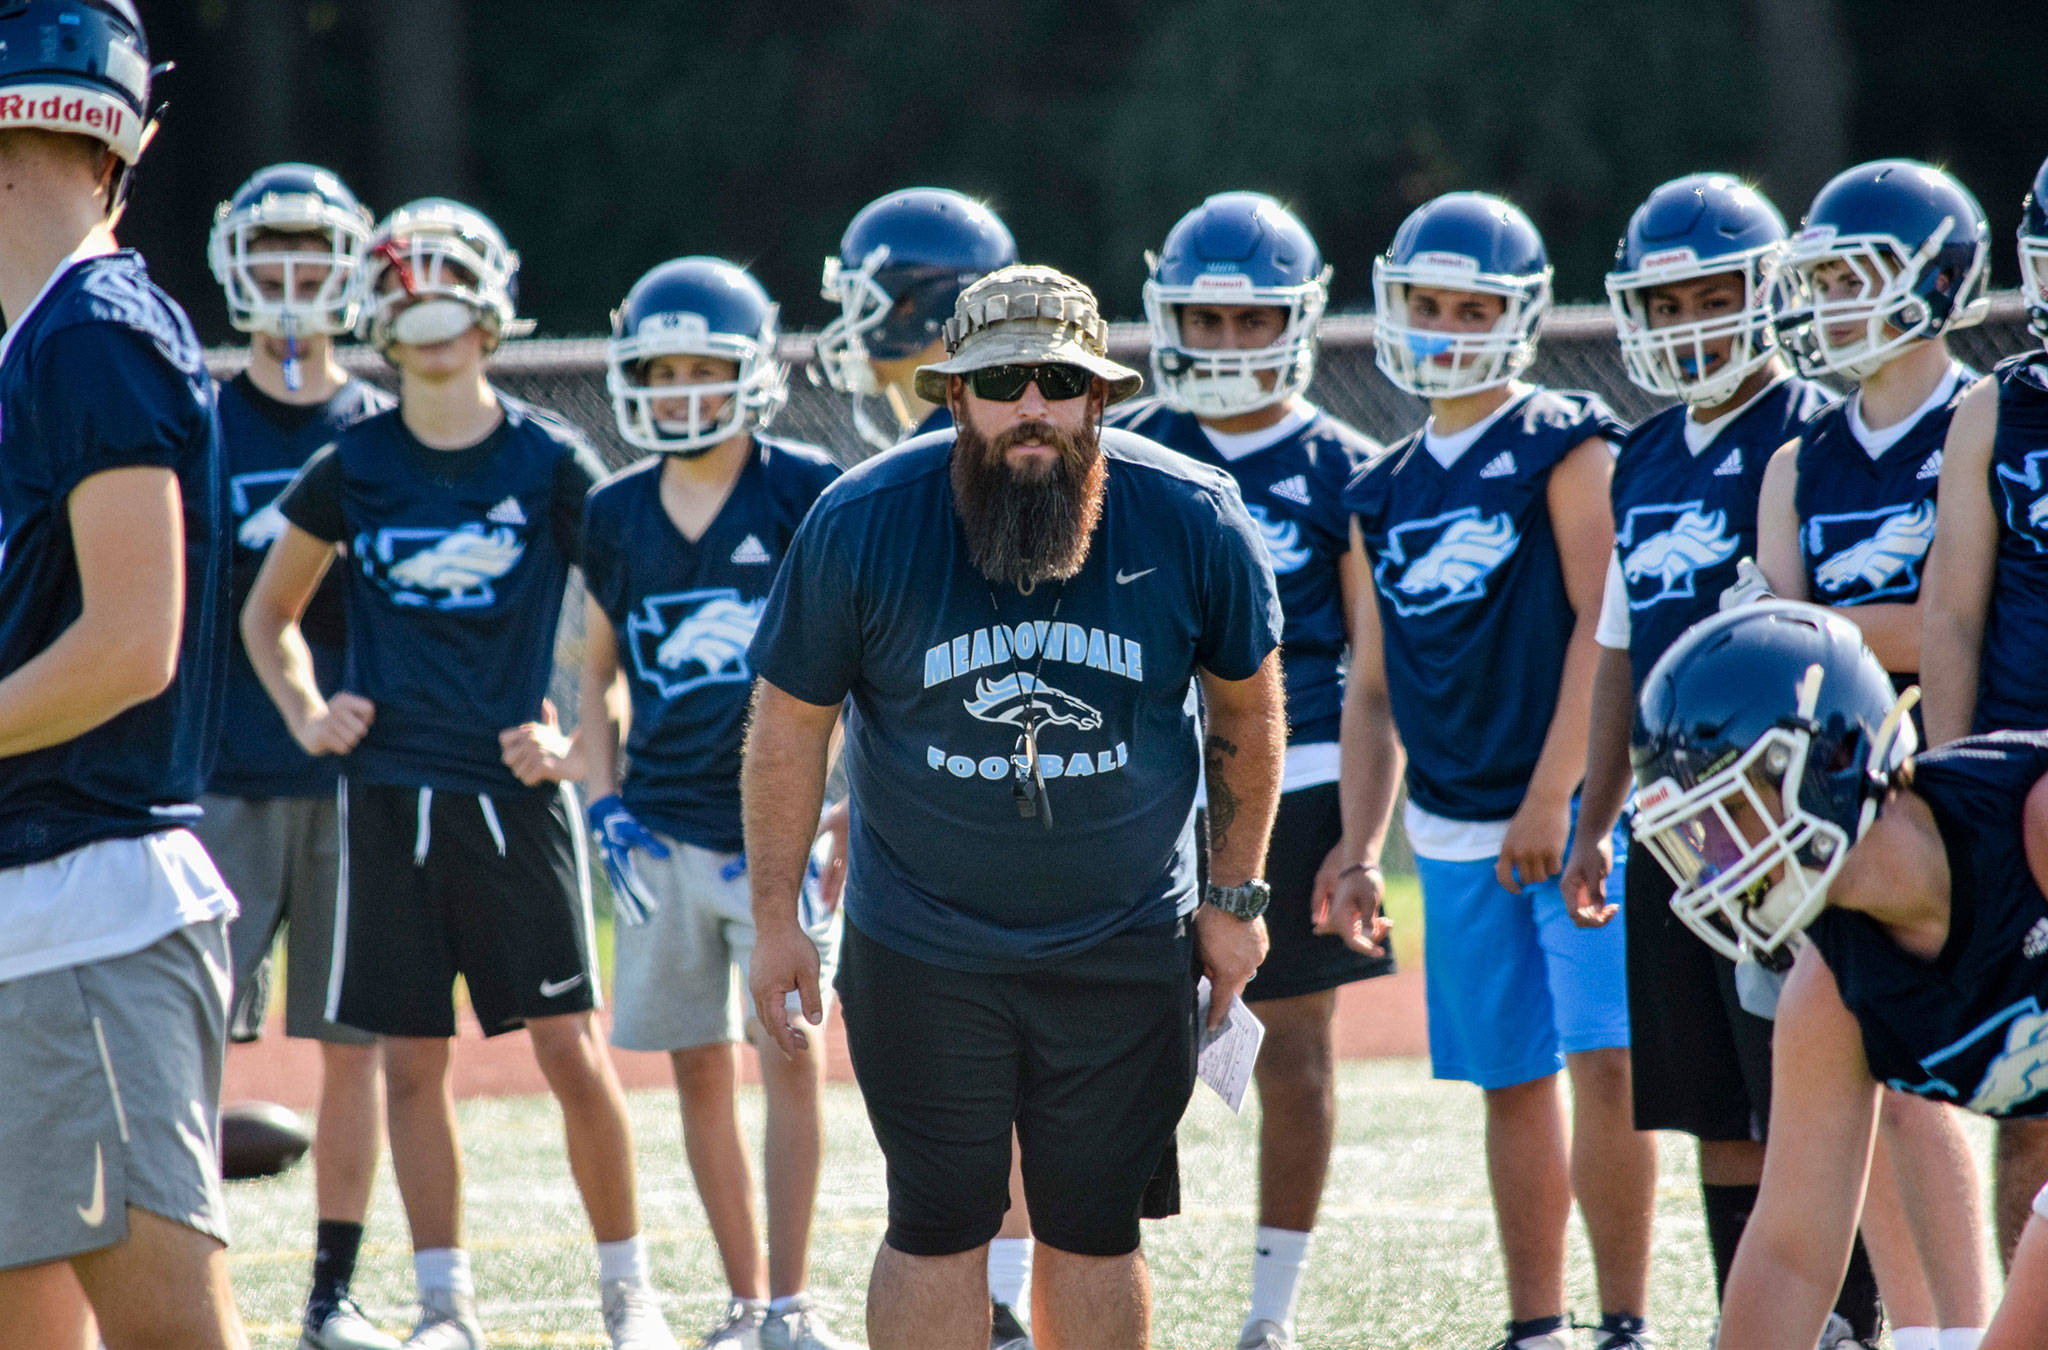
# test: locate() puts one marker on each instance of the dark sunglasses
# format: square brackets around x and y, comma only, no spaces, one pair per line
[1006,384]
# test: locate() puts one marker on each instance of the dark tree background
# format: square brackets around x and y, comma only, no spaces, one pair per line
[606,135]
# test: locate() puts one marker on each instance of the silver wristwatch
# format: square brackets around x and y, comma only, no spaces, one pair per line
[1243,902]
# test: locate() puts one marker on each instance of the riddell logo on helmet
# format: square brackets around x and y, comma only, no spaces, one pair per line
[1450,262]
[1670,257]
[1223,281]
[58,109]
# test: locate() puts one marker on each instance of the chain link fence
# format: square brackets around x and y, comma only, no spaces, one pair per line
[1578,351]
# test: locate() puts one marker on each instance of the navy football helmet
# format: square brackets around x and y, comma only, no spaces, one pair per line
[1917,246]
[1461,241]
[1697,226]
[902,263]
[78,66]
[313,290]
[693,307]
[2034,254]
[432,270]
[1236,248]
[1765,738]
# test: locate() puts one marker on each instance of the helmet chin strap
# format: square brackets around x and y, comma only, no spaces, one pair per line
[432,321]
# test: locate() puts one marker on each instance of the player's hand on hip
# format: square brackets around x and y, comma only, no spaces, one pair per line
[339,727]
[1585,882]
[1533,849]
[833,825]
[785,962]
[538,752]
[618,832]
[1356,910]
[1231,949]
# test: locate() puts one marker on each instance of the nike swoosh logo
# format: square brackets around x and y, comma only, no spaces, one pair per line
[556,988]
[95,1213]
[1126,578]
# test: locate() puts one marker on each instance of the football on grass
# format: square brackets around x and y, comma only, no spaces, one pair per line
[260,1139]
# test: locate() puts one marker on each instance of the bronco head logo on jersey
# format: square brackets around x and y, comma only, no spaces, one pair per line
[440,569]
[1663,546]
[1006,700]
[1445,560]
[2026,505]
[254,499]
[1282,537]
[1868,555]
[690,638]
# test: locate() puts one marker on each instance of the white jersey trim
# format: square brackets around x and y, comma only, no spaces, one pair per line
[106,899]
[1234,446]
[1614,629]
[1441,839]
[1875,443]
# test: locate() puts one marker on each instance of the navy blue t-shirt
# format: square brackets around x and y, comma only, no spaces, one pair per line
[1472,599]
[105,373]
[2012,672]
[1294,490]
[1865,525]
[1682,521]
[1970,1027]
[879,599]
[456,563]
[939,418]
[683,613]
[265,443]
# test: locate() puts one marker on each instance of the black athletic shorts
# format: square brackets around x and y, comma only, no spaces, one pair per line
[1300,960]
[436,884]
[1700,1062]
[1092,1059]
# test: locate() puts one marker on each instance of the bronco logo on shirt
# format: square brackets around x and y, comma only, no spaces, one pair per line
[691,638]
[1282,539]
[254,499]
[1659,564]
[2026,505]
[440,569]
[1445,560]
[1870,554]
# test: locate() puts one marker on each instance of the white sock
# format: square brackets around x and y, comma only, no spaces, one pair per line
[1959,1338]
[1915,1338]
[1277,1263]
[443,1268]
[1009,1270]
[788,1303]
[624,1260]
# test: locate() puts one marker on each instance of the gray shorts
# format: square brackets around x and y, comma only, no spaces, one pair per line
[281,856]
[114,1100]
[681,980]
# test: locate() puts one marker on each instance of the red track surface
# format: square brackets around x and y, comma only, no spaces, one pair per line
[1381,1018]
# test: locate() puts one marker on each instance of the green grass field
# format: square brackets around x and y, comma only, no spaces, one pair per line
[1404,1256]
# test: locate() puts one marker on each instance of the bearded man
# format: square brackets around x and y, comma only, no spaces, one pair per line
[1019,610]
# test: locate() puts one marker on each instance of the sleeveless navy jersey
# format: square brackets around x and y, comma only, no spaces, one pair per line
[456,563]
[1472,599]
[1294,491]
[1971,1027]
[1682,521]
[683,613]
[879,599]
[2012,672]
[1865,525]
[103,372]
[264,444]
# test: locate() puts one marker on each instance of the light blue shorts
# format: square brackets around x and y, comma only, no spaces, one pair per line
[1513,985]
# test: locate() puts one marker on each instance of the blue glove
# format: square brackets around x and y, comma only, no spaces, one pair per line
[618,833]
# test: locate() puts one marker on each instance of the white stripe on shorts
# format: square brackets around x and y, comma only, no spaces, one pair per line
[340,943]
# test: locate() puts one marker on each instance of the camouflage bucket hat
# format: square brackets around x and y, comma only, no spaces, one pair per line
[1023,315]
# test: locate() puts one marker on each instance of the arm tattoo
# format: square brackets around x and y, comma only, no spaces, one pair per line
[1222,801]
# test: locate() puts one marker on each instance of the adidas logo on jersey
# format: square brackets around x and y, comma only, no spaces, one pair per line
[506,512]
[2036,940]
[1731,466]
[750,551]
[1500,466]
[1931,467]
[1294,489]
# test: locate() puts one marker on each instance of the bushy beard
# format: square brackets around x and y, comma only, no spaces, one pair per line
[1028,526]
